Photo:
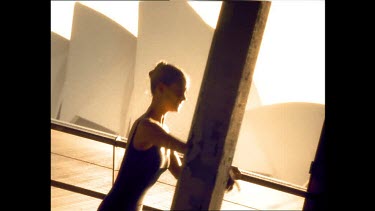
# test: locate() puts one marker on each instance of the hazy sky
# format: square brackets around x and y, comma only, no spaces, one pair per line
[291,61]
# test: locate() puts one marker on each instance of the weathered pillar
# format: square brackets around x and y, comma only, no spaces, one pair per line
[317,198]
[221,105]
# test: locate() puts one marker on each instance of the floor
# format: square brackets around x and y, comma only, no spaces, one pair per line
[88,164]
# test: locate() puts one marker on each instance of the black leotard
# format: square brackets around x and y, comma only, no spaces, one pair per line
[139,170]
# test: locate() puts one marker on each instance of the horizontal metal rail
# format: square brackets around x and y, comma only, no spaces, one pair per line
[88,133]
[273,183]
[119,141]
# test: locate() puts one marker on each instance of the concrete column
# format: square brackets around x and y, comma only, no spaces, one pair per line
[221,105]
[317,198]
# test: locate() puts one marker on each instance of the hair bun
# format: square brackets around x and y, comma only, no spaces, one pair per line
[157,68]
[151,73]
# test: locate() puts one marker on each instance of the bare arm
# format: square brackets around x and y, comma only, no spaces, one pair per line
[150,133]
[175,165]
[234,174]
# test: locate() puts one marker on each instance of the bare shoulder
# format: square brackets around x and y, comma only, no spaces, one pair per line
[149,129]
[151,132]
[148,123]
[146,132]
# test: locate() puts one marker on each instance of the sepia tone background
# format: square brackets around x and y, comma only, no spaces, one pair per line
[99,80]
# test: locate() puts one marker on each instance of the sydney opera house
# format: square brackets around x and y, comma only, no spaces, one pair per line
[100,84]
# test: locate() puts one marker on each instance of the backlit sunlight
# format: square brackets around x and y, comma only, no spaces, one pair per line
[99,81]
[293,45]
[124,13]
[208,10]
[291,61]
